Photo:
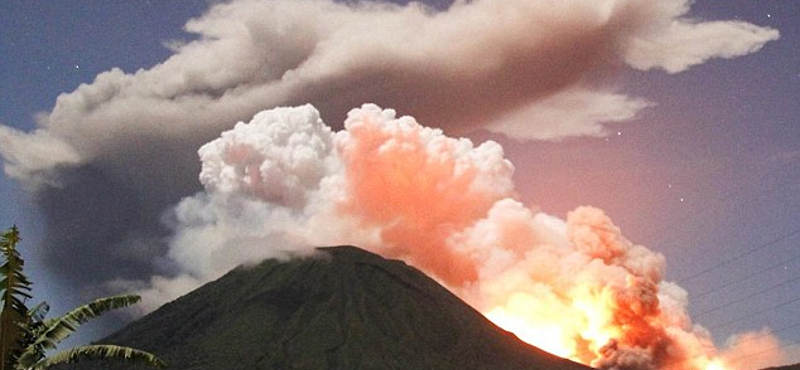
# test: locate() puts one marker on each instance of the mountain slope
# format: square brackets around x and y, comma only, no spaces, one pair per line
[348,309]
[787,367]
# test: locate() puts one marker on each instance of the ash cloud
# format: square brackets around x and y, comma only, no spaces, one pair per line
[107,165]
[285,182]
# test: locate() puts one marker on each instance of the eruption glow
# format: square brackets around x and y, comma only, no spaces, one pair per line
[113,156]
[285,182]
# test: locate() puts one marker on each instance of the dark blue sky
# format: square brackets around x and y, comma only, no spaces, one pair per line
[710,176]
[49,50]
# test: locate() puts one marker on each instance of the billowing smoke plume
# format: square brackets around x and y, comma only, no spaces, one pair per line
[285,182]
[114,154]
[111,160]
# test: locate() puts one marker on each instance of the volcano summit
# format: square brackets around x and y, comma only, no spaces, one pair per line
[344,308]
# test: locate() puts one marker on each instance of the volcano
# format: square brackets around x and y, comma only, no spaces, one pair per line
[344,308]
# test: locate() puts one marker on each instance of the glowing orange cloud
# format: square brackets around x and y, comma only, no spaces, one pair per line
[421,187]
[575,287]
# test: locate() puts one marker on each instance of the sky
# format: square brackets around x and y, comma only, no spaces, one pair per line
[692,146]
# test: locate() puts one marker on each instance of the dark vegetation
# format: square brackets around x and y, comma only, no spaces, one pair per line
[26,335]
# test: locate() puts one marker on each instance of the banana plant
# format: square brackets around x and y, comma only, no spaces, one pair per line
[26,336]
[16,289]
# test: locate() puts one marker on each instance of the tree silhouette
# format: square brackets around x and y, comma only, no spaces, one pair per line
[25,334]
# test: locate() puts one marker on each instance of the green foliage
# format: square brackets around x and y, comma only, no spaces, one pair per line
[15,289]
[99,352]
[26,336]
[51,332]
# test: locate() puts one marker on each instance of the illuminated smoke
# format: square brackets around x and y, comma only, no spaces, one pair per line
[753,350]
[418,187]
[285,182]
[113,156]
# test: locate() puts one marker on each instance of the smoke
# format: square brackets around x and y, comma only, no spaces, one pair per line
[114,154]
[754,350]
[109,163]
[285,182]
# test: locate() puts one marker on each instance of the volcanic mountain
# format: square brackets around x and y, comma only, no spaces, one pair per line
[344,308]
[787,367]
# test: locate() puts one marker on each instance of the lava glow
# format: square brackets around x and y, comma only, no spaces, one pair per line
[547,336]
[579,328]
[575,287]
[577,332]
[715,365]
[584,338]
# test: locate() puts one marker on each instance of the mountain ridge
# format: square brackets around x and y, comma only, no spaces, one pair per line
[344,308]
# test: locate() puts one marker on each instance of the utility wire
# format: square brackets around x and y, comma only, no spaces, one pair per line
[731,192]
[740,256]
[768,333]
[737,191]
[754,274]
[787,282]
[737,358]
[740,318]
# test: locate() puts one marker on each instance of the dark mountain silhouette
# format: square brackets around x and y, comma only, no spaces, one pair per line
[787,367]
[346,309]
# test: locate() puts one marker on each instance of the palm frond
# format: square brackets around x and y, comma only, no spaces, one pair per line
[56,330]
[33,325]
[15,289]
[38,312]
[99,352]
[97,307]
[25,335]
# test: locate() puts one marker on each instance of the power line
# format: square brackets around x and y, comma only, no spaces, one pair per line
[754,274]
[768,333]
[740,256]
[727,196]
[787,282]
[738,358]
[732,192]
[740,318]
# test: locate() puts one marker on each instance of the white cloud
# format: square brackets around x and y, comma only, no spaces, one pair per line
[115,154]
[478,61]
[684,44]
[570,113]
